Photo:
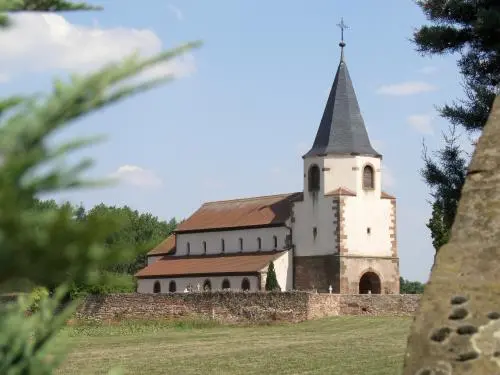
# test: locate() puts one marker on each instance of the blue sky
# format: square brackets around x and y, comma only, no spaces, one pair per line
[248,103]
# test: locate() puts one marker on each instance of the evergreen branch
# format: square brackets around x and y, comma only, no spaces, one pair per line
[10,104]
[44,6]
[23,145]
[39,6]
[441,39]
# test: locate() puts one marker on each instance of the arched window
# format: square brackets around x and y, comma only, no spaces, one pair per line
[259,243]
[157,287]
[188,248]
[275,242]
[207,285]
[241,244]
[368,177]
[313,178]
[172,288]
[204,244]
[222,245]
[226,284]
[245,284]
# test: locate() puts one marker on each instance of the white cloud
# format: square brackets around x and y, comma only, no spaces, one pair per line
[176,11]
[137,176]
[428,70]
[388,179]
[421,123]
[40,42]
[406,88]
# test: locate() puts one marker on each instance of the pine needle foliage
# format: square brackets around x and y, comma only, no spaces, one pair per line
[271,279]
[49,247]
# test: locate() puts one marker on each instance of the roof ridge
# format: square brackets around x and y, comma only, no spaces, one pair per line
[252,198]
[226,255]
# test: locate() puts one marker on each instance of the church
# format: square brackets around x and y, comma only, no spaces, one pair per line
[337,235]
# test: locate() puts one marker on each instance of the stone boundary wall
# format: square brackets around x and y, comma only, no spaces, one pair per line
[235,307]
[323,305]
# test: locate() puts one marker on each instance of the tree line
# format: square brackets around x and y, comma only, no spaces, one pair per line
[133,234]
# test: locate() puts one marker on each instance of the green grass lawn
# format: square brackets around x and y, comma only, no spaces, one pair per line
[342,345]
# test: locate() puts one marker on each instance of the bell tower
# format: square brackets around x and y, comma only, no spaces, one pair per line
[342,141]
[345,220]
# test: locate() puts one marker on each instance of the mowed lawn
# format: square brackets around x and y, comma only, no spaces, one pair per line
[341,345]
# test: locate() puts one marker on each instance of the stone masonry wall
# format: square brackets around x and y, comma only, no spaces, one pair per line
[323,305]
[234,307]
[229,307]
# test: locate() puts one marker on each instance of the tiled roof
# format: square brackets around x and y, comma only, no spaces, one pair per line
[342,129]
[385,195]
[167,246]
[342,191]
[346,192]
[237,213]
[208,264]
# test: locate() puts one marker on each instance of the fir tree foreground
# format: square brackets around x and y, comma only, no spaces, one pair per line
[470,29]
[49,247]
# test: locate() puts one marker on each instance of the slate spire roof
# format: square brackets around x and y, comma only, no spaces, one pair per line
[342,129]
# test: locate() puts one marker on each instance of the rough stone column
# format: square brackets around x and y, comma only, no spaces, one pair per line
[457,329]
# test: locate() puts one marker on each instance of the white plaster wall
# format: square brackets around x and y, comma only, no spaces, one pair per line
[283,268]
[340,173]
[146,285]
[317,213]
[154,258]
[347,171]
[368,211]
[231,239]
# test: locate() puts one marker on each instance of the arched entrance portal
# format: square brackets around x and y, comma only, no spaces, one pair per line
[369,283]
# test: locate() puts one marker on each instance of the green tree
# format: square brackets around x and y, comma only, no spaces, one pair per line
[470,30]
[440,231]
[445,175]
[49,246]
[410,287]
[271,280]
[137,231]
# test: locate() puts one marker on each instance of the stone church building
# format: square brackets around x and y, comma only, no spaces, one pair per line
[339,232]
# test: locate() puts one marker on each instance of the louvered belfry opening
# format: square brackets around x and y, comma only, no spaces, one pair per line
[368,177]
[313,178]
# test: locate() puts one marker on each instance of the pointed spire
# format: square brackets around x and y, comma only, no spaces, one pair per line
[342,129]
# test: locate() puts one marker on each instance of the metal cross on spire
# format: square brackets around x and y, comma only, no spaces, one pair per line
[342,26]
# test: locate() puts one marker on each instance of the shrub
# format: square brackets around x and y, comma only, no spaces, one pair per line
[271,280]
[36,296]
[109,283]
